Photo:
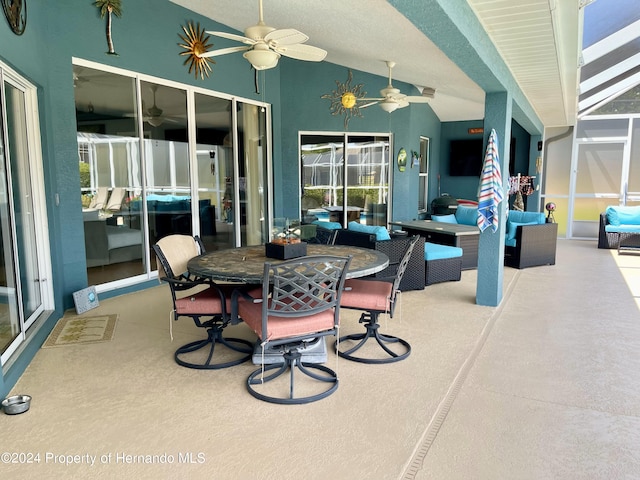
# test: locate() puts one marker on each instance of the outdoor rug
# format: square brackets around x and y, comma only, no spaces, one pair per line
[80,330]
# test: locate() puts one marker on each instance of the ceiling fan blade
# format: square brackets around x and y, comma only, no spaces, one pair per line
[398,97]
[417,99]
[367,104]
[224,51]
[233,36]
[286,36]
[302,52]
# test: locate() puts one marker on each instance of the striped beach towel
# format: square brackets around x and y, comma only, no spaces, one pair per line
[490,191]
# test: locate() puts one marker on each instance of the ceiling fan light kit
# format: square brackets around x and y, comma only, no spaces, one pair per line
[262,59]
[389,105]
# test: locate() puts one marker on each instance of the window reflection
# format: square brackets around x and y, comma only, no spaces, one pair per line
[331,186]
[136,170]
[110,173]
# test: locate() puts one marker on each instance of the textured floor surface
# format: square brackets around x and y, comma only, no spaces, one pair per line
[545,386]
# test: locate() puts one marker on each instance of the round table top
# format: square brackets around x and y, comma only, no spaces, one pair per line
[246,264]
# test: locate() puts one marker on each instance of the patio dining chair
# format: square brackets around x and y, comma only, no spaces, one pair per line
[375,297]
[299,304]
[204,301]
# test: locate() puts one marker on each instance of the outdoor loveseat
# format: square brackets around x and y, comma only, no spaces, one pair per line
[617,223]
[529,240]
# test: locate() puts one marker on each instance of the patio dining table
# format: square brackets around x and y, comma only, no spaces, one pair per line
[246,264]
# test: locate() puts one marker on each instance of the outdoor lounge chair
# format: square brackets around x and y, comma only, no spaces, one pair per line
[115,200]
[99,199]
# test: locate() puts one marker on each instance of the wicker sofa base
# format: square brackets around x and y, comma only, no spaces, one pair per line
[443,270]
[611,240]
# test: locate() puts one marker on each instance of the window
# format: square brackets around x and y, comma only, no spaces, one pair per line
[335,179]
[423,187]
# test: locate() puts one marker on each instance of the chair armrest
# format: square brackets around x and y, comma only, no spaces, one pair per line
[413,278]
[535,245]
[235,295]
[527,235]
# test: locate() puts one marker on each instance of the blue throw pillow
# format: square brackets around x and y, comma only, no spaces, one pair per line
[526,217]
[380,232]
[327,225]
[623,215]
[513,226]
[467,215]
[451,218]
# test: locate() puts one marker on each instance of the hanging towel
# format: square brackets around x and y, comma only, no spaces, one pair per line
[490,191]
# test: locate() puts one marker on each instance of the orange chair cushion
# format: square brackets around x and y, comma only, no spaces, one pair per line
[284,327]
[366,295]
[206,302]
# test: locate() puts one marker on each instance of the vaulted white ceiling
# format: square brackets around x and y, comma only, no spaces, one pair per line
[537,39]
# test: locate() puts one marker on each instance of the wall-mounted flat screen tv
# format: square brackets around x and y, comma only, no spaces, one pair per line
[466,158]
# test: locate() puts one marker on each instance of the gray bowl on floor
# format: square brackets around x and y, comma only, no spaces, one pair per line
[16,404]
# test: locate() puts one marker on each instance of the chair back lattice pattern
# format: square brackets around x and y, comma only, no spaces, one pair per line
[403,263]
[305,286]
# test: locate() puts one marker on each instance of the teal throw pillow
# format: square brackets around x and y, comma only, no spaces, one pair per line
[451,218]
[327,225]
[513,226]
[466,215]
[623,216]
[380,232]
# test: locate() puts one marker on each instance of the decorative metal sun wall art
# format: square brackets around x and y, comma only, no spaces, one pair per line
[195,43]
[344,99]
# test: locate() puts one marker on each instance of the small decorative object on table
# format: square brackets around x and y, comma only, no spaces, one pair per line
[286,243]
[551,207]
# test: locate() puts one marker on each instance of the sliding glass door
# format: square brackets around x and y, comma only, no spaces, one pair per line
[23,264]
[158,158]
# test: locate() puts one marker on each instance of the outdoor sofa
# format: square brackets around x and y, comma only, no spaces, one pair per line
[529,240]
[618,223]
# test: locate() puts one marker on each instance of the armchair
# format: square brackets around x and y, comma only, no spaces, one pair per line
[299,303]
[530,241]
[204,299]
[394,248]
[375,297]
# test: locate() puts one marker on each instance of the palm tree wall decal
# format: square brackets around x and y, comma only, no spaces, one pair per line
[109,8]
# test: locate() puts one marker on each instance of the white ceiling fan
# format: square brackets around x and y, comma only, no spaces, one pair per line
[153,115]
[391,98]
[264,45]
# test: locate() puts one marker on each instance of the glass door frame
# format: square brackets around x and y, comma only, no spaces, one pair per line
[34,154]
[612,198]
